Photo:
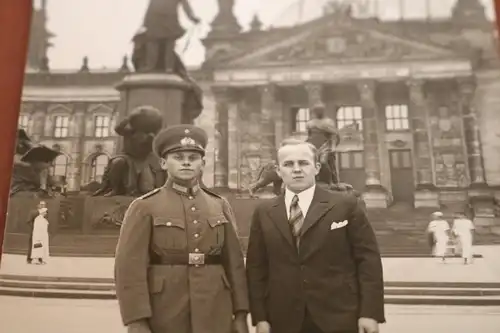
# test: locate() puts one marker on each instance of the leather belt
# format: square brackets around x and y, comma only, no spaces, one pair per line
[190,259]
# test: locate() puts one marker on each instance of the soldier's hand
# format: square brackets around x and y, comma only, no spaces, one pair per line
[139,327]
[367,325]
[240,324]
[263,327]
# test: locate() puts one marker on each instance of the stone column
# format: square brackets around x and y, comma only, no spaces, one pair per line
[221,162]
[40,116]
[481,198]
[268,115]
[375,195]
[472,135]
[232,146]
[425,196]
[75,181]
[370,134]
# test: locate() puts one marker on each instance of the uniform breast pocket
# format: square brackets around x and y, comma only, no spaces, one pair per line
[218,229]
[169,233]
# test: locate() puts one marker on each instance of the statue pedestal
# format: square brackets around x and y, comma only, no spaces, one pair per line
[162,91]
[426,199]
[375,196]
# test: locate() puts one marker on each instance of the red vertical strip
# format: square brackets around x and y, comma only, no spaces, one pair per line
[15,17]
[497,12]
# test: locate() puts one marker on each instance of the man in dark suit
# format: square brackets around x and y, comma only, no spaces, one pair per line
[313,263]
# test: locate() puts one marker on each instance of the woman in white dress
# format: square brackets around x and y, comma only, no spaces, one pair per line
[463,228]
[40,243]
[439,228]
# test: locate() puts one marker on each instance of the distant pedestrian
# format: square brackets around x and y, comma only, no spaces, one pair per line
[438,228]
[31,221]
[40,238]
[463,229]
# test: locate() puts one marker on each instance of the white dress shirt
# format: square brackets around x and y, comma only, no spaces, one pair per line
[305,199]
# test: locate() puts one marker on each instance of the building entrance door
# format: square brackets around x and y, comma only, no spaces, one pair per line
[402,181]
[352,169]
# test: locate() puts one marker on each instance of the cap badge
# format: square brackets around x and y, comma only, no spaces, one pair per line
[188,142]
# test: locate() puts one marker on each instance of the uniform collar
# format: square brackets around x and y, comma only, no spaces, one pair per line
[184,190]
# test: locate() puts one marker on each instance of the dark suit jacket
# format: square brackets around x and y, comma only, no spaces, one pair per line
[336,274]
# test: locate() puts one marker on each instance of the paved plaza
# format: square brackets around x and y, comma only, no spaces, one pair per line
[38,315]
[486,269]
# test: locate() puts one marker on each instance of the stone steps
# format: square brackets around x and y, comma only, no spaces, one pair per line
[428,293]
[391,245]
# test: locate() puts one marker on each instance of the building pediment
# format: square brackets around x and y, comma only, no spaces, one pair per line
[347,42]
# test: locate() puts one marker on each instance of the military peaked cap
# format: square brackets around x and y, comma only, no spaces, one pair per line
[180,138]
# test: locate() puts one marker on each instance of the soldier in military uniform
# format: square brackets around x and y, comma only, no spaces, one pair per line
[179,266]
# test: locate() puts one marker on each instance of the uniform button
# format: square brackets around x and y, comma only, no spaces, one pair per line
[196,250]
[196,235]
[169,224]
[195,222]
[193,208]
[190,198]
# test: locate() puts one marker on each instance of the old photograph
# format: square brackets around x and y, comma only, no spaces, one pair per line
[243,166]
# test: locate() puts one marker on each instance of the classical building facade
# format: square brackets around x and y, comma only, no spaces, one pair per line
[420,99]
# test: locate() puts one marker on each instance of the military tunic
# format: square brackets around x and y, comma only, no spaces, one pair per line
[171,221]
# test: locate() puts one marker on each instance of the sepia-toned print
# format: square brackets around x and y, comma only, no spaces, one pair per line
[229,166]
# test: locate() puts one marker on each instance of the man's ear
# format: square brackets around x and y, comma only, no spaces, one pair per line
[318,168]
[163,163]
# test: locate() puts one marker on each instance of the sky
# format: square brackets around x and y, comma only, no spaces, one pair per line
[102,29]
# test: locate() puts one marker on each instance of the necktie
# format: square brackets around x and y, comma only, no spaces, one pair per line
[296,218]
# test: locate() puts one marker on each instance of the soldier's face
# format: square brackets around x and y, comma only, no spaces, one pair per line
[184,165]
[297,167]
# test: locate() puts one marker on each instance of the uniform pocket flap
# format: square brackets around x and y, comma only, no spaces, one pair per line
[217,220]
[169,222]
[156,284]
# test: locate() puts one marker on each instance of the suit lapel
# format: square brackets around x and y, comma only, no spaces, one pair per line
[321,203]
[279,216]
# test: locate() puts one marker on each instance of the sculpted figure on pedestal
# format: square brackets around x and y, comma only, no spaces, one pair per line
[323,134]
[136,170]
[30,172]
[154,49]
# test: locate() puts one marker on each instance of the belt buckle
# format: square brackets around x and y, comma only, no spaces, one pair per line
[196,259]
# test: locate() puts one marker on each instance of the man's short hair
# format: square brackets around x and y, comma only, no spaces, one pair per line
[295,141]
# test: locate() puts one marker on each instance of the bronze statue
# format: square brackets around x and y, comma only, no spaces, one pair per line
[323,134]
[154,50]
[158,35]
[30,172]
[136,170]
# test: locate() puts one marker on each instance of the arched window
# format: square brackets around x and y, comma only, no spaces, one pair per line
[24,121]
[302,116]
[98,165]
[101,126]
[61,126]
[396,117]
[60,166]
[349,115]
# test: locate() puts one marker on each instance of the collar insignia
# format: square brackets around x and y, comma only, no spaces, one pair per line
[188,142]
[186,190]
